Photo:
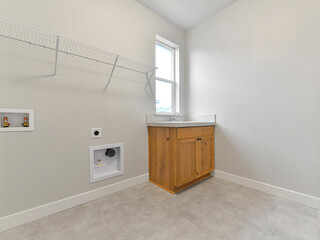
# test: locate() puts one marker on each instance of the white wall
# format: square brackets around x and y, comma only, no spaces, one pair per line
[256,65]
[52,162]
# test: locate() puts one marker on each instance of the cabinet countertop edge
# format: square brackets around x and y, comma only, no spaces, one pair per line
[180,124]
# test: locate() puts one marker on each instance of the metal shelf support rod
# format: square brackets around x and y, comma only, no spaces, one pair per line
[149,79]
[148,82]
[114,66]
[56,61]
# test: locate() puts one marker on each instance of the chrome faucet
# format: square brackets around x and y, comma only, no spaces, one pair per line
[174,116]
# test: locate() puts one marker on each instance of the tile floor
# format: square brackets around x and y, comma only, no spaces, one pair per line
[214,209]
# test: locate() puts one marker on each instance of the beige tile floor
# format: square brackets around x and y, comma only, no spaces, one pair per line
[213,209]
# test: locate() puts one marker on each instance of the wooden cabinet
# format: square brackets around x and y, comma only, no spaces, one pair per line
[179,157]
[205,155]
[186,161]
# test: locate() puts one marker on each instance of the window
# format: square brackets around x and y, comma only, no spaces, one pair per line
[166,82]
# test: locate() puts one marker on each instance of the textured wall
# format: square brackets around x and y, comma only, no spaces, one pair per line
[256,65]
[52,162]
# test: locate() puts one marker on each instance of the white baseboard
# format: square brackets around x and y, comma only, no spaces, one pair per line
[29,215]
[274,190]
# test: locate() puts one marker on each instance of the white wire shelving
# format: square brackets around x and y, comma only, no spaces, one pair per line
[63,46]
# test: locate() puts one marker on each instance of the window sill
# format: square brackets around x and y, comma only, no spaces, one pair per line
[163,114]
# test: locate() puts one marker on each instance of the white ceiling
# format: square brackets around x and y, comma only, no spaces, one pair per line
[186,13]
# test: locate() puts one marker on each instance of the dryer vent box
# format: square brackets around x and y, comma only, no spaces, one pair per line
[106,161]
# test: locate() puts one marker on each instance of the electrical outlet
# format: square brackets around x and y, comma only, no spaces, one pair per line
[96,132]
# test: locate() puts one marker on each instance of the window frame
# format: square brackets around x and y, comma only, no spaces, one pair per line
[175,68]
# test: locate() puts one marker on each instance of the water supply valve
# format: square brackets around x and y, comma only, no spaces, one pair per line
[5,122]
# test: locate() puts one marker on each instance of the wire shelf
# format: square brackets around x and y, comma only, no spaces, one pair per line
[63,46]
[15,31]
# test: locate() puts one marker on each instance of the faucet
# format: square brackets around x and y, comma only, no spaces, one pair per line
[174,116]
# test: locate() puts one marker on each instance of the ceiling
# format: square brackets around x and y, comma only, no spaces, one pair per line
[186,13]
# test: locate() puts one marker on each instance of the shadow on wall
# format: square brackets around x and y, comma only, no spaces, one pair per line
[77,81]
[35,63]
[228,153]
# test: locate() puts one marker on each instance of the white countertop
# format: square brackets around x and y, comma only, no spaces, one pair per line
[178,124]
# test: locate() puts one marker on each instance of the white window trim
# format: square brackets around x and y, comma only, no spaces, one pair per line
[175,82]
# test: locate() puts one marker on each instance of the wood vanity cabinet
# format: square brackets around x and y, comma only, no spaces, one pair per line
[179,157]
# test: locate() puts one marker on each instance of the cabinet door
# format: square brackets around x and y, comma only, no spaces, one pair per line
[159,156]
[186,165]
[205,163]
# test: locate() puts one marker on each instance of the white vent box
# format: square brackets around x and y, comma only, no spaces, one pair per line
[106,161]
[16,120]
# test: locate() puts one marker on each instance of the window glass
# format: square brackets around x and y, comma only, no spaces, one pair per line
[164,96]
[164,62]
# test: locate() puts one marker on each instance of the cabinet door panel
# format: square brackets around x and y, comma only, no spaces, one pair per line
[186,168]
[159,156]
[205,155]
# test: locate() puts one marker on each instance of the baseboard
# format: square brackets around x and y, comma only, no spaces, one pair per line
[30,215]
[274,190]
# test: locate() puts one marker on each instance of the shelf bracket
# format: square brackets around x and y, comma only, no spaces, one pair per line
[56,61]
[148,82]
[114,66]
